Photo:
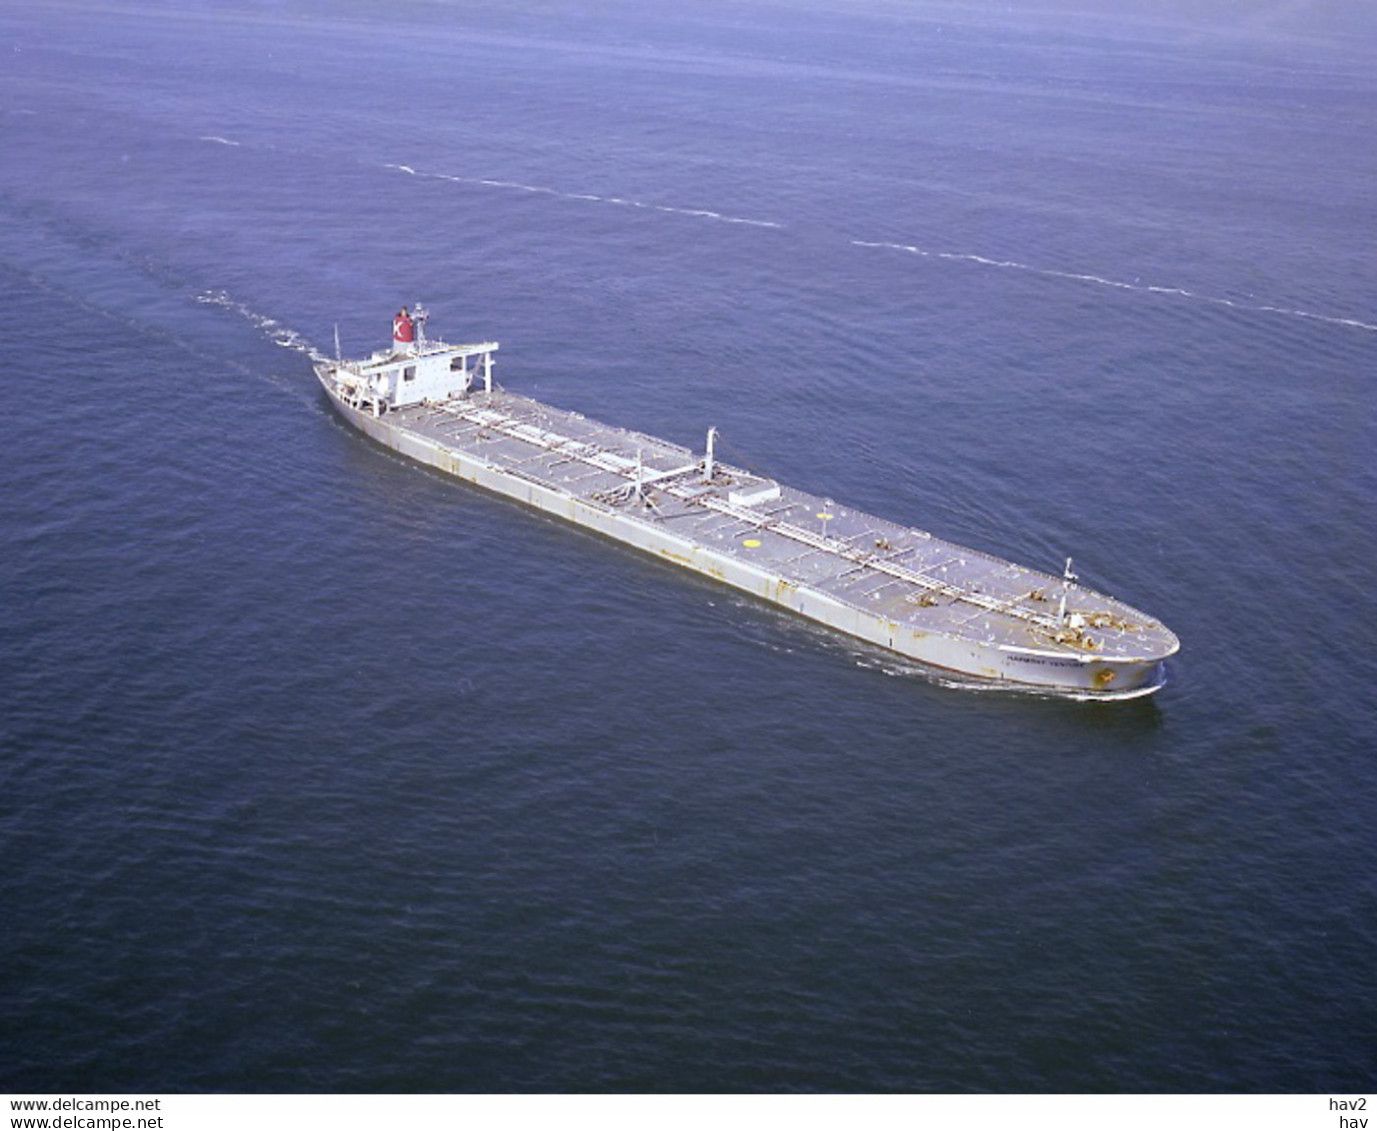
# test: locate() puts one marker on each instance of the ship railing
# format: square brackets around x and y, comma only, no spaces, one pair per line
[848,552]
[570,448]
[632,469]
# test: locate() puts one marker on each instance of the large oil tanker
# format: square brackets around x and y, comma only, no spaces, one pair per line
[901,589]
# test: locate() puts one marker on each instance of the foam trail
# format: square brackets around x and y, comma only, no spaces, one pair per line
[1119,284]
[950,256]
[272,329]
[621,201]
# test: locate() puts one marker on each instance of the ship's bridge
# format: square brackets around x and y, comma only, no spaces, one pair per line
[429,371]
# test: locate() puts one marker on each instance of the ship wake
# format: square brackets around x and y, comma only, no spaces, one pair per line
[270,328]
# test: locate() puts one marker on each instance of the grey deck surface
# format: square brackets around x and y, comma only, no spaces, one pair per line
[868,562]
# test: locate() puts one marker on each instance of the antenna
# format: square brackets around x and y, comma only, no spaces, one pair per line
[338,358]
[419,314]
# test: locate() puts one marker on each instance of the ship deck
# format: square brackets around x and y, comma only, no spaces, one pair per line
[896,572]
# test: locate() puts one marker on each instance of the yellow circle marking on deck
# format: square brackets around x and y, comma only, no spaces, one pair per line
[751,543]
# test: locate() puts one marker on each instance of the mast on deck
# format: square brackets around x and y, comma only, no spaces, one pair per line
[1068,577]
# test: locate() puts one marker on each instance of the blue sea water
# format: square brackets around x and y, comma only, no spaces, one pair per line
[319,772]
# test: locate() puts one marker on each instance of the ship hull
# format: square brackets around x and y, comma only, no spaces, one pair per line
[983,663]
